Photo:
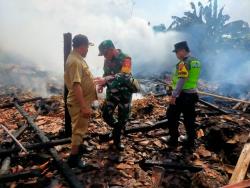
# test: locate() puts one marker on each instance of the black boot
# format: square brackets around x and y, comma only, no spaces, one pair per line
[188,144]
[74,161]
[117,138]
[119,146]
[172,142]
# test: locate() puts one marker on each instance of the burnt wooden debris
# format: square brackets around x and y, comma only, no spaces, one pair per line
[242,165]
[213,106]
[169,165]
[20,175]
[11,104]
[143,128]
[37,146]
[62,166]
[221,136]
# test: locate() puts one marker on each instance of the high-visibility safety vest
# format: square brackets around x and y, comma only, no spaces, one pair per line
[188,69]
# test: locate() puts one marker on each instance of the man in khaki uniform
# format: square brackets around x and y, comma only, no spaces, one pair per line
[79,82]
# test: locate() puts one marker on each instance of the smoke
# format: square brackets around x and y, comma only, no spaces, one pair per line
[34,30]
[222,63]
[230,69]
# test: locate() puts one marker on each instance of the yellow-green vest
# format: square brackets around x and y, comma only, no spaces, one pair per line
[193,74]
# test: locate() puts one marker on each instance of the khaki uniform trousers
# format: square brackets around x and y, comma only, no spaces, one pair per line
[79,124]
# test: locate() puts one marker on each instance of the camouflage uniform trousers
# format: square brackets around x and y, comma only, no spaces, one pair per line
[117,98]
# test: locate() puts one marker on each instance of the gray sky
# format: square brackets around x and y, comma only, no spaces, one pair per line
[34,28]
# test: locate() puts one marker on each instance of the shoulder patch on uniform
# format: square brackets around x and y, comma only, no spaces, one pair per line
[126,65]
[182,70]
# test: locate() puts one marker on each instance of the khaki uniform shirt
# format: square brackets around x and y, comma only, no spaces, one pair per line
[77,71]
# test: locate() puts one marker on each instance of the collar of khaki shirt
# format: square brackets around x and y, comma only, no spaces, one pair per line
[77,54]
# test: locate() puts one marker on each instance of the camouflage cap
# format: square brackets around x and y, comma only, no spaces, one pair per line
[104,46]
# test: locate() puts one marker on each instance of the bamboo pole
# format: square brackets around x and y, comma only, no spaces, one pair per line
[13,137]
[223,97]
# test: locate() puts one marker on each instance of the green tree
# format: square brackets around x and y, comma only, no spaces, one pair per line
[214,24]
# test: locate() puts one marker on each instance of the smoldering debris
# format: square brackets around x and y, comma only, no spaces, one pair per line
[30,78]
[219,142]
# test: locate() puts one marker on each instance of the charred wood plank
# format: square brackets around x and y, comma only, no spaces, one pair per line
[20,175]
[210,113]
[223,97]
[242,165]
[213,106]
[145,128]
[20,131]
[62,166]
[11,104]
[146,164]
[5,166]
[242,184]
[6,162]
[48,144]
[67,48]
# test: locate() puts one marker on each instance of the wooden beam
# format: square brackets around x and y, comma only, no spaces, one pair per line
[145,164]
[144,128]
[67,48]
[37,146]
[241,168]
[212,95]
[223,97]
[212,106]
[242,184]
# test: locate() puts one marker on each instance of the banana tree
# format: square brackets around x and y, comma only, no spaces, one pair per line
[214,25]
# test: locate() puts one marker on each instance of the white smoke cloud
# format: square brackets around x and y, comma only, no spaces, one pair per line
[35,30]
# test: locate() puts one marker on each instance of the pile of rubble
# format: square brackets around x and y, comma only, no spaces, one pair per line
[38,125]
[29,77]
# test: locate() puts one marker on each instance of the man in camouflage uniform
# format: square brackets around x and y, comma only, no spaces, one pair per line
[117,76]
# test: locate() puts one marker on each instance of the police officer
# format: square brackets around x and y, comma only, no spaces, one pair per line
[82,93]
[117,76]
[184,95]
